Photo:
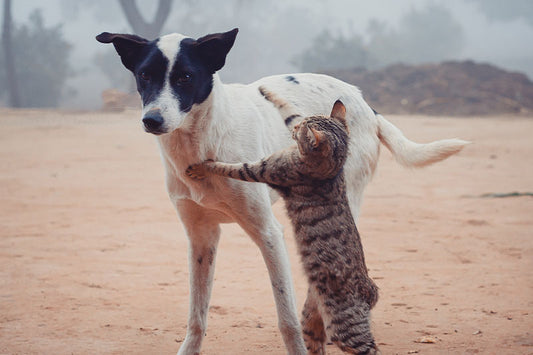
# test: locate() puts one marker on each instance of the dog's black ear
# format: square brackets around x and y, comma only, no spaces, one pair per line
[214,48]
[128,47]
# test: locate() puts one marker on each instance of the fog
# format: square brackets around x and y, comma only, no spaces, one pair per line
[273,33]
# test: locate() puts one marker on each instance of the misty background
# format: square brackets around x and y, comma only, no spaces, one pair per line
[58,63]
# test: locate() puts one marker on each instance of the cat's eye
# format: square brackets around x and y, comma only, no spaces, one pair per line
[295,131]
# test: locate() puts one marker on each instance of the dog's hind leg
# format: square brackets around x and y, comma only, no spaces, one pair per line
[259,222]
[203,236]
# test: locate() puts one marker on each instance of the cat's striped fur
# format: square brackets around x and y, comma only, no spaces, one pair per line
[309,177]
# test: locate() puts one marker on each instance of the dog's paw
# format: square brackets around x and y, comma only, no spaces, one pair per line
[196,171]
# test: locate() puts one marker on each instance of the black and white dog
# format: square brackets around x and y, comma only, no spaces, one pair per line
[197,117]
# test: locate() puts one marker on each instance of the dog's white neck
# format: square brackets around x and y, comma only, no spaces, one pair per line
[198,138]
[201,119]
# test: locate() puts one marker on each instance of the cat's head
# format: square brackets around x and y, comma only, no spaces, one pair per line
[324,140]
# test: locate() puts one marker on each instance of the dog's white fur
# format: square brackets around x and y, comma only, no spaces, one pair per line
[236,124]
[166,103]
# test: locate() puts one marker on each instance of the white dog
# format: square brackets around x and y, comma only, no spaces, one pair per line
[197,117]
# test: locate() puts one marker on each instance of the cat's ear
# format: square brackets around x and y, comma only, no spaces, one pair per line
[314,137]
[339,113]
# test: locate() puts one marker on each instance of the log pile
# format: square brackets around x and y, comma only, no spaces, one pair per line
[114,100]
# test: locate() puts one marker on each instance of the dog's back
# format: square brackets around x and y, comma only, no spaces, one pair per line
[313,94]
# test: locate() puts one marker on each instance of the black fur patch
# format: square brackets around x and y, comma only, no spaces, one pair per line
[292,79]
[191,78]
[289,119]
[150,73]
[200,83]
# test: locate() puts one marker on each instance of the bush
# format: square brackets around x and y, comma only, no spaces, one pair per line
[422,36]
[41,57]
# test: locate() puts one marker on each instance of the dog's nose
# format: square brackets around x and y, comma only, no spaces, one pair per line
[153,121]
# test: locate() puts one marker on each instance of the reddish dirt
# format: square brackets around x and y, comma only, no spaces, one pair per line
[445,89]
[93,259]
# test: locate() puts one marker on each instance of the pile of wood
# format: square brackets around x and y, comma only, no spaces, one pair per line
[114,100]
[449,88]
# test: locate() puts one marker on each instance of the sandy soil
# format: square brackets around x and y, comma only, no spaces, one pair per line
[93,258]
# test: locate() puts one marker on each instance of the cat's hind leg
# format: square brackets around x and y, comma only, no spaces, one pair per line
[313,326]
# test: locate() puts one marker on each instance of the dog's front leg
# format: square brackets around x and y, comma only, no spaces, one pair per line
[203,236]
[274,253]
[259,222]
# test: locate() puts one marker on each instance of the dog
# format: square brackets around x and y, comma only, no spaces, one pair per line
[196,117]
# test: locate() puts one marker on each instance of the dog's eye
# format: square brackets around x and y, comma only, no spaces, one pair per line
[144,76]
[184,78]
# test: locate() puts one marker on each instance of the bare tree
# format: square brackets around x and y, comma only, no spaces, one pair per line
[139,25]
[11,77]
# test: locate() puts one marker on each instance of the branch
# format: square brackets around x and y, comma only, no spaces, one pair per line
[137,22]
[163,11]
[12,83]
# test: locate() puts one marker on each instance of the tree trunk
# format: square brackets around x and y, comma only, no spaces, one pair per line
[11,77]
[149,30]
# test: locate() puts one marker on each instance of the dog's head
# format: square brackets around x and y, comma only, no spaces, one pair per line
[173,72]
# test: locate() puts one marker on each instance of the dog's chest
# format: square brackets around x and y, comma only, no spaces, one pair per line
[179,150]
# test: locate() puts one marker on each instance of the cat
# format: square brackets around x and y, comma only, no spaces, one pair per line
[309,177]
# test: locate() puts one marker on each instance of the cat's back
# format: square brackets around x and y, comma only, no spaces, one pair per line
[315,200]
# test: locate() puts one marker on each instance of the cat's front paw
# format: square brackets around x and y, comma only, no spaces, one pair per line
[196,171]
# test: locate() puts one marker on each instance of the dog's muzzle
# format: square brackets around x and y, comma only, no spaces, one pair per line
[154,122]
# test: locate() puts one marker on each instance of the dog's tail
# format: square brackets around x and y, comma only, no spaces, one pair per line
[286,110]
[411,154]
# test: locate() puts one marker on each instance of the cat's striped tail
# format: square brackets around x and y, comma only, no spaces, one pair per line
[286,110]
[411,154]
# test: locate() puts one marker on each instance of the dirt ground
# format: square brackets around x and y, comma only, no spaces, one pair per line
[93,259]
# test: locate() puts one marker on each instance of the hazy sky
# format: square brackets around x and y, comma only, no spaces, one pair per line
[272,32]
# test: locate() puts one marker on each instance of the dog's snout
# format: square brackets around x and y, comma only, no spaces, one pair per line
[153,121]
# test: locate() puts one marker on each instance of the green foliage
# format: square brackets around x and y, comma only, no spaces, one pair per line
[109,62]
[509,10]
[41,63]
[328,52]
[428,35]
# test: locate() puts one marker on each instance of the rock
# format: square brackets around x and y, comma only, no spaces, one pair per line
[426,340]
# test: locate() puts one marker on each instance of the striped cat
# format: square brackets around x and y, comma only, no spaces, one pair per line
[310,179]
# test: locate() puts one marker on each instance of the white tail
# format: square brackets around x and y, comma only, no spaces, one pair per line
[411,154]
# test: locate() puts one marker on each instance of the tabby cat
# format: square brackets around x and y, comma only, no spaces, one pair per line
[309,176]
